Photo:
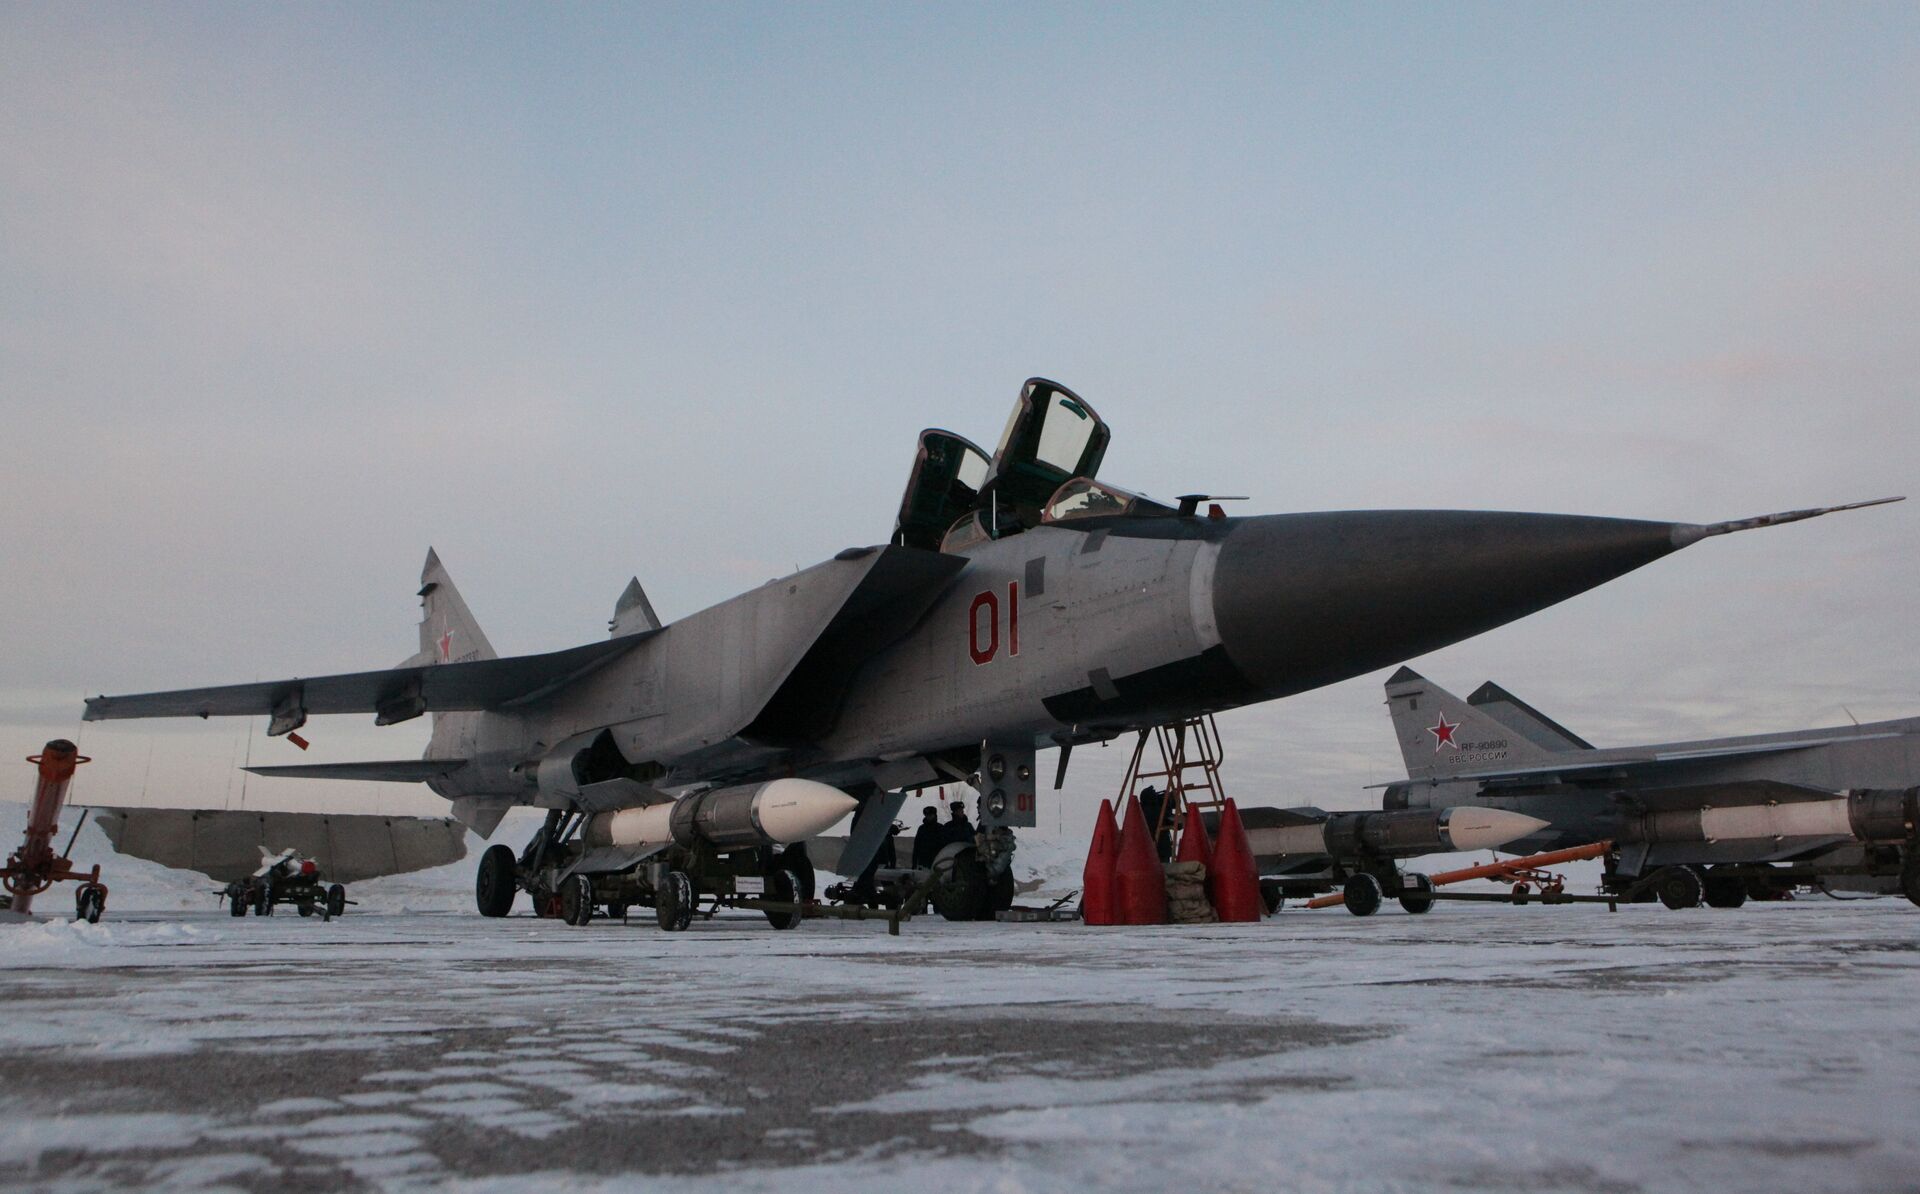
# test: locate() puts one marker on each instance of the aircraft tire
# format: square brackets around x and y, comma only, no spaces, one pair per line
[1003,891]
[964,893]
[576,901]
[336,901]
[673,902]
[1723,891]
[785,885]
[1680,887]
[493,883]
[1363,894]
[1416,895]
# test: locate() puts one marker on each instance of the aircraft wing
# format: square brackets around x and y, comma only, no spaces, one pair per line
[1628,760]
[405,771]
[441,687]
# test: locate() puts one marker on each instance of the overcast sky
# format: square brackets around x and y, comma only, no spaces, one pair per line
[289,293]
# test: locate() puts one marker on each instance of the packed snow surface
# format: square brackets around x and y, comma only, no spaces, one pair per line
[1479,1047]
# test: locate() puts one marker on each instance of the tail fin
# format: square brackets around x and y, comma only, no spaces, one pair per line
[1532,724]
[448,634]
[1442,735]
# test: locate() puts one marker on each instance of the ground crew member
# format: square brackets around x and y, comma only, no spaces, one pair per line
[928,839]
[959,829]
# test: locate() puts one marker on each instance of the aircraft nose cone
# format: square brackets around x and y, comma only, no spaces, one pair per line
[1469,828]
[1303,600]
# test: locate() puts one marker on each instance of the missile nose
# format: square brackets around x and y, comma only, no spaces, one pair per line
[1303,600]
[792,810]
[1467,827]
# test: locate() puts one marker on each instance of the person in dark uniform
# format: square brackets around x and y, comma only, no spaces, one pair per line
[959,829]
[1153,808]
[928,839]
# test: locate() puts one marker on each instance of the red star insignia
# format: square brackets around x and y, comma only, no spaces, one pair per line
[446,646]
[1443,734]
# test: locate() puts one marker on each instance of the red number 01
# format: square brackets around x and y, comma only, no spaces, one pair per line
[983,642]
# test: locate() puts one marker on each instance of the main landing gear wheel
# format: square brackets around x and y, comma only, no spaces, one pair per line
[1724,891]
[576,900]
[1363,894]
[1679,887]
[964,891]
[673,902]
[493,886]
[89,902]
[336,901]
[785,885]
[1416,894]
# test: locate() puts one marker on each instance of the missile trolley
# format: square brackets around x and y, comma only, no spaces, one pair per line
[737,847]
[285,878]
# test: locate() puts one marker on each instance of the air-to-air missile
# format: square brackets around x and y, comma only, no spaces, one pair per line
[1021,604]
[776,813]
[1719,819]
[1406,834]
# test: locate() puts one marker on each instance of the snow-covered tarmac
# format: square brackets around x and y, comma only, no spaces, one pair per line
[1484,1048]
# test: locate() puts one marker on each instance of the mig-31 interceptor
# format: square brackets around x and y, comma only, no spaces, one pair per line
[1716,819]
[1021,604]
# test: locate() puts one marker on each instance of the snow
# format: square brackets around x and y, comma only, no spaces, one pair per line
[1477,1047]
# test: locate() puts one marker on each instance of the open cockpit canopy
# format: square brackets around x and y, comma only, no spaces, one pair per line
[1042,472]
[948,472]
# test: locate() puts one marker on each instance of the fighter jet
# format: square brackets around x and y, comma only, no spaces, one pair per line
[1021,604]
[1719,819]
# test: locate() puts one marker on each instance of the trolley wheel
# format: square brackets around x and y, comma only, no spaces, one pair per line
[1910,875]
[1273,897]
[89,902]
[1679,887]
[1363,894]
[306,908]
[673,902]
[785,885]
[493,883]
[794,858]
[1416,894]
[336,901]
[237,902]
[576,900]
[1520,893]
[263,900]
[1724,891]
[617,910]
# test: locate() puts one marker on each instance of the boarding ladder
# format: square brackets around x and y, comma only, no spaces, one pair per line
[1189,756]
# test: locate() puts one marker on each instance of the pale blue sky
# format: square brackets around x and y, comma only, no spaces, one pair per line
[574,293]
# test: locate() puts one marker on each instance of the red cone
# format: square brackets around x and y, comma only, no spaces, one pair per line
[1097,906]
[1194,847]
[1140,884]
[1235,881]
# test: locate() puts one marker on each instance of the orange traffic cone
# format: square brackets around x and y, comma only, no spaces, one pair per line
[1235,881]
[1140,884]
[1096,881]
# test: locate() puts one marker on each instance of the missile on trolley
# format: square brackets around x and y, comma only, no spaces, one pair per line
[1309,832]
[777,812]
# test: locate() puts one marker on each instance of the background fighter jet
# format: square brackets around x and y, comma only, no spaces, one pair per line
[1720,818]
[1021,604]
